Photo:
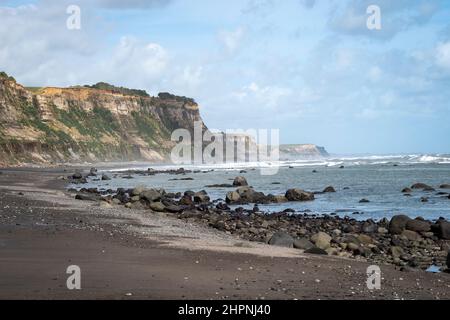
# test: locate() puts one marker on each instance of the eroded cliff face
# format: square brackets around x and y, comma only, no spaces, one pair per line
[57,125]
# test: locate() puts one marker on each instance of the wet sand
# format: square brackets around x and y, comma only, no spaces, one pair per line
[128,254]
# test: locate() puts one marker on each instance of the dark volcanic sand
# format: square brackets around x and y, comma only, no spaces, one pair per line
[40,237]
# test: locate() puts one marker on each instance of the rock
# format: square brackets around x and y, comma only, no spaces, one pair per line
[316,250]
[364,201]
[189,193]
[329,189]
[88,197]
[186,201]
[422,186]
[398,224]
[397,252]
[201,197]
[233,197]
[105,177]
[364,239]
[282,239]
[77,175]
[135,198]
[442,229]
[424,199]
[299,195]
[116,201]
[369,227]
[279,199]
[448,260]
[175,209]
[410,235]
[137,191]
[418,225]
[444,186]
[93,172]
[240,182]
[352,246]
[321,240]
[303,244]
[382,230]
[157,206]
[406,190]
[151,195]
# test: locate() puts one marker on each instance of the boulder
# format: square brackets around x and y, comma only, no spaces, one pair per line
[407,190]
[422,186]
[105,177]
[186,201]
[157,207]
[329,189]
[418,225]
[151,195]
[321,240]
[398,224]
[364,201]
[201,197]
[299,195]
[369,227]
[303,244]
[93,172]
[444,186]
[233,197]
[137,191]
[442,229]
[282,239]
[240,182]
[315,250]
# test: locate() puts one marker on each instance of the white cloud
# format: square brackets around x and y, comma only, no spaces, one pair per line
[443,55]
[232,40]
[267,96]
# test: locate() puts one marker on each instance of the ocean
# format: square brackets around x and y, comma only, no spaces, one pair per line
[379,179]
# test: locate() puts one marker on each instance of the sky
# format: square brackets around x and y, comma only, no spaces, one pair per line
[310,68]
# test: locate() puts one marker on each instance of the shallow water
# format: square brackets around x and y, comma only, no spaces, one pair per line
[380,183]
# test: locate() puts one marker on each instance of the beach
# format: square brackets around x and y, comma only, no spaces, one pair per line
[141,254]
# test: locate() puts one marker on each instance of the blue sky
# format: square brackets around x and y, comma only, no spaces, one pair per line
[308,67]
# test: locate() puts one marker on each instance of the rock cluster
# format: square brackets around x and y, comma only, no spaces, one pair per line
[406,242]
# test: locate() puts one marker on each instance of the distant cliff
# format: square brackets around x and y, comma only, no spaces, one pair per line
[91,123]
[296,151]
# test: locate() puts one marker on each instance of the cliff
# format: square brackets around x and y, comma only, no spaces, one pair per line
[91,123]
[299,151]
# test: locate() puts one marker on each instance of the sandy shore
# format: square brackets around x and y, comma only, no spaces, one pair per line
[128,254]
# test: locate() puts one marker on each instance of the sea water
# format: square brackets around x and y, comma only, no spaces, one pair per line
[379,179]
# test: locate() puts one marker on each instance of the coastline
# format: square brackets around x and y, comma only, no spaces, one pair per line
[156,256]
